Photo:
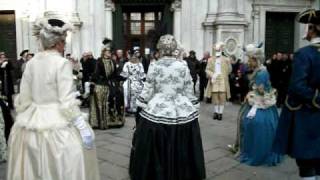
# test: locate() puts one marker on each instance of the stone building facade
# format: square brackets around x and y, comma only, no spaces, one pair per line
[197,24]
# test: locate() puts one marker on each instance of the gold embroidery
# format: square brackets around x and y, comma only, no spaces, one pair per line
[314,99]
[291,108]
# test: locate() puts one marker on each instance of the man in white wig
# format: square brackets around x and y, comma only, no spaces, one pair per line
[218,89]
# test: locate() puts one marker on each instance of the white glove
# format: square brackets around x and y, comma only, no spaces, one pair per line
[4,64]
[86,89]
[252,113]
[77,93]
[85,132]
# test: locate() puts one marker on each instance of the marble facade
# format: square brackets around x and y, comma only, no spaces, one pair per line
[198,24]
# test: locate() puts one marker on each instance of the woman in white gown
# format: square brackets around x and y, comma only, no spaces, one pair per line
[50,139]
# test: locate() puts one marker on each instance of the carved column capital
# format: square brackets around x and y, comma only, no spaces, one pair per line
[176,5]
[109,5]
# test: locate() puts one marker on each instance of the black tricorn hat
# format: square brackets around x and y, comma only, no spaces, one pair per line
[309,16]
[56,22]
[24,51]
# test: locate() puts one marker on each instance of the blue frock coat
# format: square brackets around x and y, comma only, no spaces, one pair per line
[298,132]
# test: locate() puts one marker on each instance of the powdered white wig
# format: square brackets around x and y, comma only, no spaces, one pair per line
[167,44]
[50,31]
[255,51]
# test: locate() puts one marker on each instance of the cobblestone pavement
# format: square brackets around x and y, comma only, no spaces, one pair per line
[113,148]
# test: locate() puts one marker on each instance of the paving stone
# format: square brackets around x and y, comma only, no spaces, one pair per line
[214,154]
[112,172]
[118,148]
[113,148]
[221,165]
[112,157]
[232,175]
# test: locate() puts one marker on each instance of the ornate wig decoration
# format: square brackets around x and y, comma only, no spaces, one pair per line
[255,51]
[167,45]
[107,44]
[50,31]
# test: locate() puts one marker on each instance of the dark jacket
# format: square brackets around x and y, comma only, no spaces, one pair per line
[88,68]
[119,66]
[194,67]
[100,77]
[16,68]
[298,132]
[202,69]
[7,88]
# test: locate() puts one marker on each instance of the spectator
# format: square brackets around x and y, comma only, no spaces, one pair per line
[88,67]
[202,74]
[17,67]
[194,67]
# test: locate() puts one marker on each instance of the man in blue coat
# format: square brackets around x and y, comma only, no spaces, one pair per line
[298,133]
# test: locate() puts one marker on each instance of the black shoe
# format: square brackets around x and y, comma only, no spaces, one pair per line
[215,116]
[219,117]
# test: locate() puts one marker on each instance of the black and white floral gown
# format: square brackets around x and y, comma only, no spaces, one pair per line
[3,143]
[135,75]
[167,143]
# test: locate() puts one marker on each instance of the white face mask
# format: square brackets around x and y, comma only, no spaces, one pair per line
[218,54]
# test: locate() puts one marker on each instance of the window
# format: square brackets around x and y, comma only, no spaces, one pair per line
[137,25]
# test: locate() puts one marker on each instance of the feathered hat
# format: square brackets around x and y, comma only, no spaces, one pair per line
[107,43]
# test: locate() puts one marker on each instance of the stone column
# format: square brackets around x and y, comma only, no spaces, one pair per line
[256,24]
[76,36]
[176,8]
[227,6]
[109,9]
[230,25]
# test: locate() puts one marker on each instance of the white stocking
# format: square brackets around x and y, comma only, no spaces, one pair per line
[221,108]
[216,109]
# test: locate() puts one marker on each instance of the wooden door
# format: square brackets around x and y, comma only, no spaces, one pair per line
[8,34]
[279,33]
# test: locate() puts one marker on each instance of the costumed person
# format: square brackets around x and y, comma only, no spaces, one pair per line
[7,85]
[6,92]
[218,88]
[167,143]
[88,64]
[258,116]
[50,139]
[116,95]
[298,132]
[133,71]
[6,121]
[100,103]
[3,142]
[202,74]
[194,67]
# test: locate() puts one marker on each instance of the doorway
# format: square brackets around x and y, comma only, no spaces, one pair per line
[8,34]
[140,24]
[279,32]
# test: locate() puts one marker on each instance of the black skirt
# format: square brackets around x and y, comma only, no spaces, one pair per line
[167,152]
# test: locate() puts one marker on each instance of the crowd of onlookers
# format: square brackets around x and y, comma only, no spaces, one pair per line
[278,66]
